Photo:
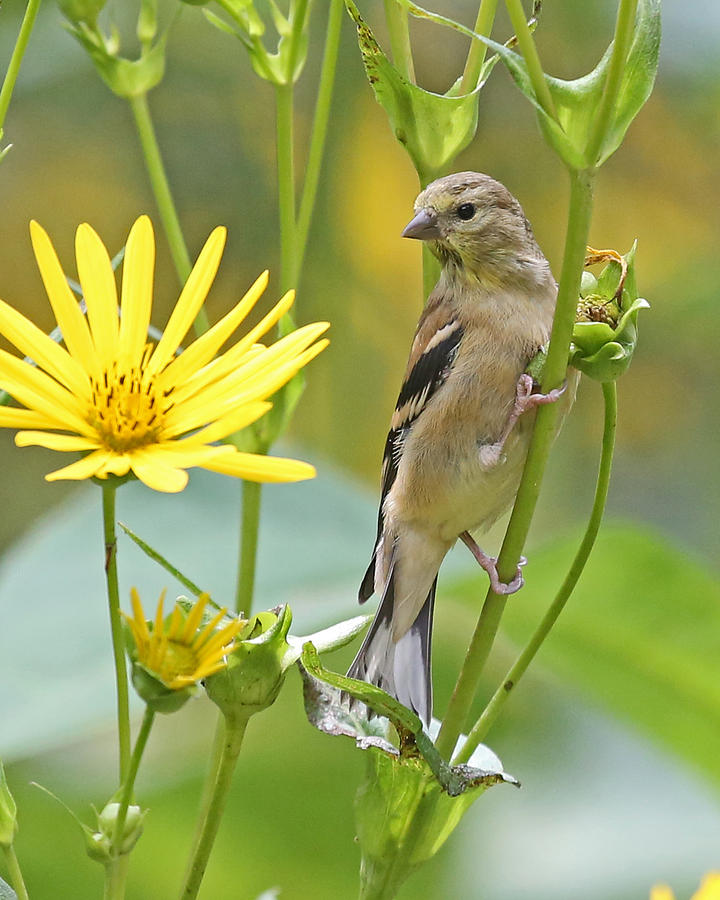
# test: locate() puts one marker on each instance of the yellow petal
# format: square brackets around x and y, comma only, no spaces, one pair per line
[139,614]
[207,631]
[174,629]
[710,888]
[158,627]
[137,289]
[10,417]
[661,892]
[204,348]
[36,390]
[227,424]
[43,350]
[191,300]
[217,399]
[72,323]
[254,467]
[52,441]
[84,468]
[159,476]
[244,365]
[193,619]
[99,291]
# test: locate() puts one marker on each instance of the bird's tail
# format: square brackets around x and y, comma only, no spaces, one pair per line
[402,668]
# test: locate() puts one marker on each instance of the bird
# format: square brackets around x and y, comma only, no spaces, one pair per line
[462,423]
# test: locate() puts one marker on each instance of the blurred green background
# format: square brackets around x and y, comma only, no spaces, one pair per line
[616,733]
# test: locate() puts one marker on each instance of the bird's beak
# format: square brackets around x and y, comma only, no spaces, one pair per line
[423,227]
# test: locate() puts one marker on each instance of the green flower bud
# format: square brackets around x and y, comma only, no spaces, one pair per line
[605,333]
[8,812]
[81,10]
[255,668]
[132,828]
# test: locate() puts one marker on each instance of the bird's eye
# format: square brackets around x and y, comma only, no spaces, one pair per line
[465,211]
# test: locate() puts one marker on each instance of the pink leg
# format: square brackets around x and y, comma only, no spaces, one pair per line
[525,400]
[489,564]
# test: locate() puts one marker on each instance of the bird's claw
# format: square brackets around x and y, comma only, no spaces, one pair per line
[489,564]
[525,399]
[502,587]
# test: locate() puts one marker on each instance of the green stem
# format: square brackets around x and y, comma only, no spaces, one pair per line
[249,528]
[129,784]
[286,185]
[528,49]
[123,715]
[579,215]
[163,196]
[319,130]
[621,46]
[14,873]
[232,743]
[14,65]
[115,878]
[509,683]
[477,52]
[396,17]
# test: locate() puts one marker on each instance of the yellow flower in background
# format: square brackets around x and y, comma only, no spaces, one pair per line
[129,404]
[180,653]
[708,890]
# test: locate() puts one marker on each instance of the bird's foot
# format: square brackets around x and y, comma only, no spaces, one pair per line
[526,400]
[489,563]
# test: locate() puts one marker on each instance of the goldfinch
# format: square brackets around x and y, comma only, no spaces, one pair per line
[462,423]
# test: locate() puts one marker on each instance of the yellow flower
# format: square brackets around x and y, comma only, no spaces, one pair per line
[178,653]
[708,890]
[129,404]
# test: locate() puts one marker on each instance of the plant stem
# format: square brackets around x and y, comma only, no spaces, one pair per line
[579,215]
[530,54]
[129,784]
[477,52]
[249,528]
[14,65]
[396,17]
[115,878]
[319,129]
[14,873]
[111,577]
[116,869]
[621,45]
[518,669]
[232,743]
[286,185]
[163,196]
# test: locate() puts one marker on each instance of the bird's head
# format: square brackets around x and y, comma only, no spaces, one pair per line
[475,227]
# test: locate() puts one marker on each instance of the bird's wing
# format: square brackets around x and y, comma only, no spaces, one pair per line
[431,359]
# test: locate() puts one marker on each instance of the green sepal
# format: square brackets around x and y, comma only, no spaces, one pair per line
[158,696]
[132,829]
[601,350]
[576,101]
[8,812]
[433,128]
[81,10]
[124,77]
[255,669]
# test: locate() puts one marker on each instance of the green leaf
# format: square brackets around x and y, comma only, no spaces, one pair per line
[639,635]
[433,128]
[411,800]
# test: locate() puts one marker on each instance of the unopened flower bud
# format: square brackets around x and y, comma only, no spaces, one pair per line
[81,10]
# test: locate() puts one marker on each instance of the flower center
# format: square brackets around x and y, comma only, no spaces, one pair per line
[128,408]
[177,660]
